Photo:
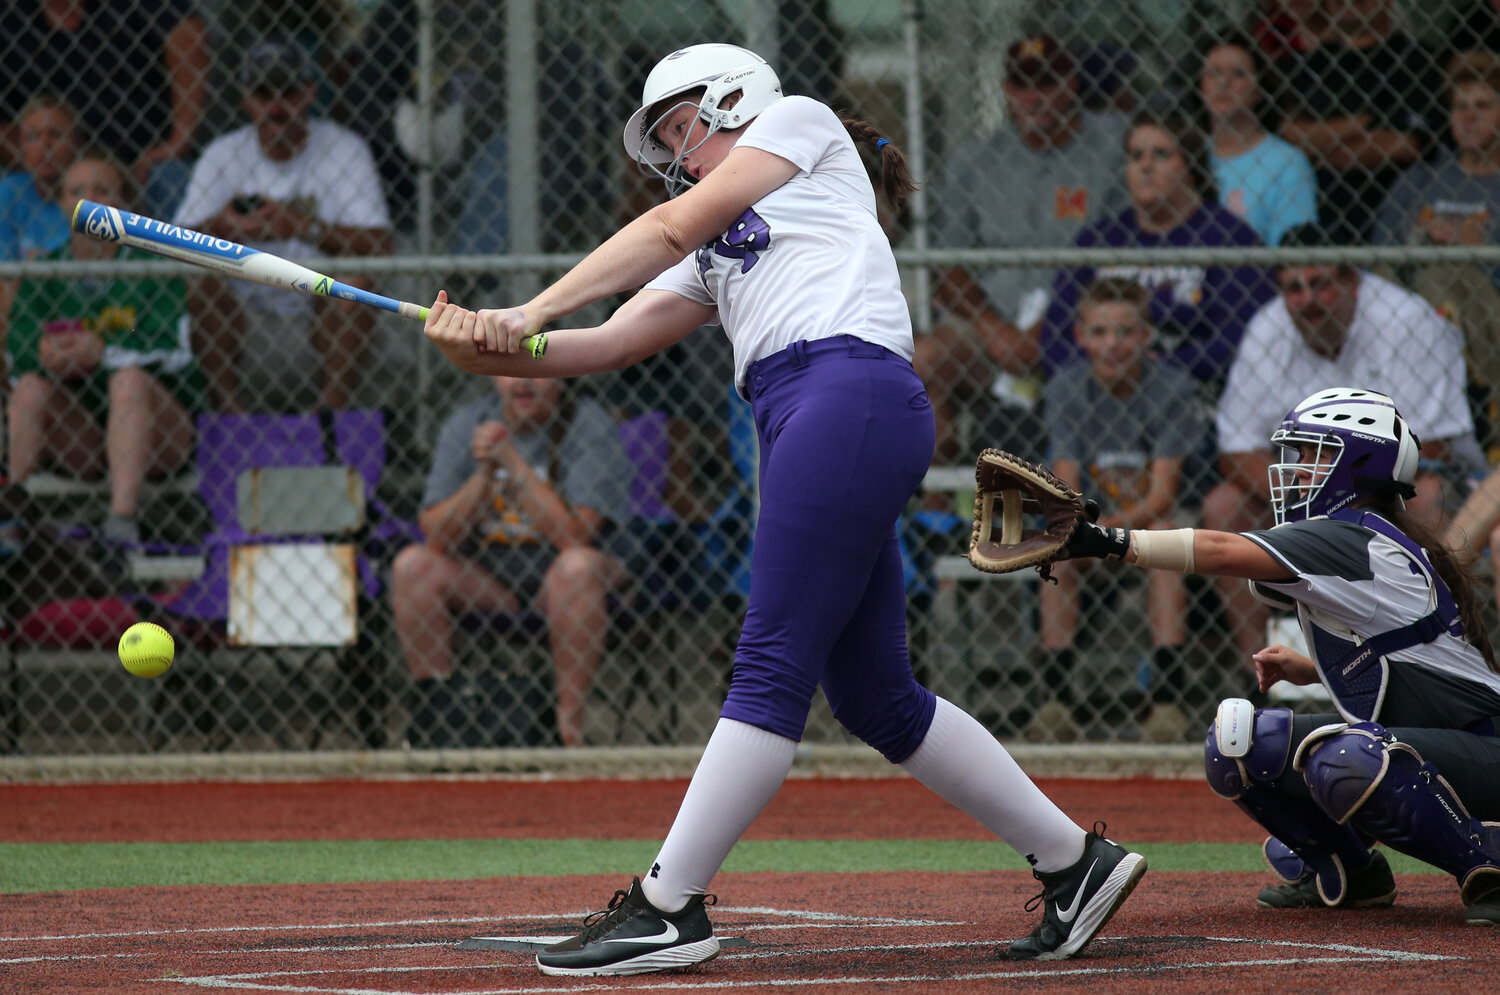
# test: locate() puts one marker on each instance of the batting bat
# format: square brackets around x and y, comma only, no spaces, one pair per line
[110,224]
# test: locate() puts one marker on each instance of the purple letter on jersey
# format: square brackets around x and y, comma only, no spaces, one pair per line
[745,239]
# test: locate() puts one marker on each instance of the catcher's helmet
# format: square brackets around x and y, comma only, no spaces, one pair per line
[1360,446]
[719,70]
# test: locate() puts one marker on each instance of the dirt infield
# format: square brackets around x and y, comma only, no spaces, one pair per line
[889,932]
[837,933]
[1147,811]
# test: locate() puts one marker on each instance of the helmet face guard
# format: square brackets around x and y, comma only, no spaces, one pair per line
[1340,446]
[720,71]
[1298,481]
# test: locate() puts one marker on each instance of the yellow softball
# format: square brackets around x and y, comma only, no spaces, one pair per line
[146,649]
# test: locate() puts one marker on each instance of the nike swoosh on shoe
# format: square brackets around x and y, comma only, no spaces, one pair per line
[1065,916]
[667,935]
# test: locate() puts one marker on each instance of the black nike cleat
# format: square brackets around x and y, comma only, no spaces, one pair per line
[1079,900]
[634,937]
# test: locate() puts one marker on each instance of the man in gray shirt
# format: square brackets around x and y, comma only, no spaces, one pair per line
[1033,184]
[1455,200]
[525,490]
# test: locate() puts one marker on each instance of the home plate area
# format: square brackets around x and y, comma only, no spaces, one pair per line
[767,948]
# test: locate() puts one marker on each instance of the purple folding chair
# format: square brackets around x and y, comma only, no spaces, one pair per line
[228,446]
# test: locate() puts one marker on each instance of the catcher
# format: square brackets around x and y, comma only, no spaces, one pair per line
[1397,638]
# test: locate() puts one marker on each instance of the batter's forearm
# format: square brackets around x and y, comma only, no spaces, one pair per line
[629,259]
[570,352]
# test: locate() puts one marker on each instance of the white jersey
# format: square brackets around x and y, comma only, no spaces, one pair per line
[1397,344]
[334,177]
[1353,583]
[807,261]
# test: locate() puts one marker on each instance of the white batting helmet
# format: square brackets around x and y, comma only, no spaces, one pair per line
[719,70]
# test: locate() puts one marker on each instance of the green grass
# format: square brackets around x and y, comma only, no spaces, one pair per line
[30,867]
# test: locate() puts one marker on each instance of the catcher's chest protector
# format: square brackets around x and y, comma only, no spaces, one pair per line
[1354,671]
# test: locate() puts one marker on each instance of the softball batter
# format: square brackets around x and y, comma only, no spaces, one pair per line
[772,233]
[1413,757]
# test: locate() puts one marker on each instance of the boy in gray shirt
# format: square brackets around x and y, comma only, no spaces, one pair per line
[1120,427]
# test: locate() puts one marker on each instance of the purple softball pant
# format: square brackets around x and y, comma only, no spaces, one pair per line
[846,435]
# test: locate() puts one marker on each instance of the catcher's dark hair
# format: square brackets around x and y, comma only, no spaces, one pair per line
[1116,290]
[1453,567]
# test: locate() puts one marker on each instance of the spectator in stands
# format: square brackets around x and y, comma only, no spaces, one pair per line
[1062,165]
[1260,177]
[321,27]
[1286,31]
[31,220]
[1199,312]
[1335,325]
[135,72]
[526,489]
[296,186]
[1146,45]
[1361,104]
[1455,200]
[1120,432]
[103,374]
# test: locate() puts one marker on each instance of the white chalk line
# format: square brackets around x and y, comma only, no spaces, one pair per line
[829,920]
[256,980]
[1330,953]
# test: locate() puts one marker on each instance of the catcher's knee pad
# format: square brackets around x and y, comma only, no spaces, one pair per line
[1247,753]
[1363,776]
[1246,745]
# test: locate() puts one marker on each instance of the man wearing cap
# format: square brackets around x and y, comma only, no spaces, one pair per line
[296,186]
[1032,184]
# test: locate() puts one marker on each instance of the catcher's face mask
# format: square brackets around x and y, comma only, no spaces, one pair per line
[1340,446]
[1307,462]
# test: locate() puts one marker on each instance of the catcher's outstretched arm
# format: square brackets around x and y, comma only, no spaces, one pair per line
[1203,551]
[1016,492]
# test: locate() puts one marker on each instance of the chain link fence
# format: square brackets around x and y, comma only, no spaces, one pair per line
[1145,229]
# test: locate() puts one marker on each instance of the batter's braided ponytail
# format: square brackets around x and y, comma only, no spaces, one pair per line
[895,182]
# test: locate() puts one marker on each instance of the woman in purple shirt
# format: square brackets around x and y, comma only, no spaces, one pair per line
[1199,312]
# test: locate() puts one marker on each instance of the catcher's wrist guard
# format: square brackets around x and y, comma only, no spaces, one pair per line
[1095,541]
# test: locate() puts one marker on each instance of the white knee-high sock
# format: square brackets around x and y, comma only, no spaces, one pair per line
[742,768]
[968,768]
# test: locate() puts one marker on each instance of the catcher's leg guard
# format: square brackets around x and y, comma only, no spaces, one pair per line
[1305,841]
[1364,777]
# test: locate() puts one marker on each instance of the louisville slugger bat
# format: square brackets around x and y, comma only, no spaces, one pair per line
[110,224]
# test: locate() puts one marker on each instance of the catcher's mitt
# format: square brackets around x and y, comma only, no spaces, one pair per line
[1014,488]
